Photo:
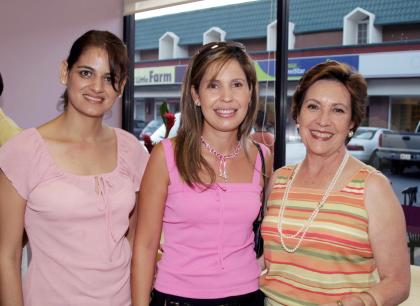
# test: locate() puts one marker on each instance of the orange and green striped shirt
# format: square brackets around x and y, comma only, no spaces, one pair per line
[335,257]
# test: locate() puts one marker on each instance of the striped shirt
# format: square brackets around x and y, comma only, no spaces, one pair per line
[335,258]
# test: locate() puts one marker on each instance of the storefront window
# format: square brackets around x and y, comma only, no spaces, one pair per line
[364,35]
[165,43]
[386,52]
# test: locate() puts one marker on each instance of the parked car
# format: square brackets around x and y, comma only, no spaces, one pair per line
[151,127]
[295,152]
[138,126]
[401,149]
[159,133]
[365,143]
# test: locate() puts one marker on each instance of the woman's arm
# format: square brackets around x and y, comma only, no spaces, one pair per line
[132,223]
[387,234]
[12,210]
[151,204]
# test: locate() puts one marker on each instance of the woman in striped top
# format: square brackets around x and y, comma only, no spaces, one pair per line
[334,230]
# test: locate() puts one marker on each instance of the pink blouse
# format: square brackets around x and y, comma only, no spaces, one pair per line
[208,249]
[76,224]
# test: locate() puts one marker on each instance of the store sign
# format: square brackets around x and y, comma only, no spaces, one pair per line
[266,70]
[296,67]
[154,76]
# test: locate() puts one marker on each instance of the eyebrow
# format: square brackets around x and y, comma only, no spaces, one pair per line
[86,67]
[317,101]
[90,68]
[218,80]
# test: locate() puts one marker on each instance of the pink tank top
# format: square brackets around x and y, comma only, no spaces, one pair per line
[208,238]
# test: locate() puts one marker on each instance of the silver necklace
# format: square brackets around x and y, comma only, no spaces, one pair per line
[302,231]
[221,157]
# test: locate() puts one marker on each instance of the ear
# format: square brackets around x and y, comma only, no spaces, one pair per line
[120,92]
[194,94]
[64,73]
[351,126]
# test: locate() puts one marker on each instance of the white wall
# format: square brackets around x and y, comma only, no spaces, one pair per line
[35,36]
[390,64]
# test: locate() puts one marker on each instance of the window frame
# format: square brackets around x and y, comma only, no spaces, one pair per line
[280,99]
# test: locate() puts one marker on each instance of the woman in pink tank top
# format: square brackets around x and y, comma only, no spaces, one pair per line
[202,188]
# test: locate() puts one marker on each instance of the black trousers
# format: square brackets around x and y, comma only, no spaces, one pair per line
[255,298]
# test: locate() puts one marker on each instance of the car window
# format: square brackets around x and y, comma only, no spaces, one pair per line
[151,126]
[159,133]
[364,134]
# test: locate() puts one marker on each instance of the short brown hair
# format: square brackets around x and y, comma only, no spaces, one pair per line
[332,70]
[188,144]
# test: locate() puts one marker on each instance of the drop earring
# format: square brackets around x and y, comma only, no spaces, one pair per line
[350,134]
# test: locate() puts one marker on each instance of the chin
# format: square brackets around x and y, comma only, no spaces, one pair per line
[232,128]
[93,113]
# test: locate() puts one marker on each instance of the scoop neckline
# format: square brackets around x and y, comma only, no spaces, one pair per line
[65,172]
[318,190]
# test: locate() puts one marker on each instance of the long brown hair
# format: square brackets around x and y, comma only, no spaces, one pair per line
[188,156]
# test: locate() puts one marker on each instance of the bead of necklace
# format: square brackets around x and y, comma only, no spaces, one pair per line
[221,157]
[300,234]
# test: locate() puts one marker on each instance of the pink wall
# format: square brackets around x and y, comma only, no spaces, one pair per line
[35,36]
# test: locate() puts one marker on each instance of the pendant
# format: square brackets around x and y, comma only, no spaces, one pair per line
[222,170]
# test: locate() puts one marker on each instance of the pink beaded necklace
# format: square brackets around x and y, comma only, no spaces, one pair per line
[222,158]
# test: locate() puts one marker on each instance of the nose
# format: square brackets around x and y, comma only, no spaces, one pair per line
[98,84]
[227,94]
[324,117]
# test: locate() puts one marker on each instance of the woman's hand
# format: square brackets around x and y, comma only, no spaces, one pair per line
[348,300]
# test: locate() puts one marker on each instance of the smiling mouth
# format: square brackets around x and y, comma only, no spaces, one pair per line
[93,99]
[321,135]
[223,112]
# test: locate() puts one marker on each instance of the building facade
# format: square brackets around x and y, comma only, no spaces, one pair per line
[380,39]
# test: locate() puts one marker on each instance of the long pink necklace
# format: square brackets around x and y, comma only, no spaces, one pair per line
[221,157]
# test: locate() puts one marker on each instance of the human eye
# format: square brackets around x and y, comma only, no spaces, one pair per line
[85,73]
[108,78]
[339,110]
[213,85]
[238,84]
[312,106]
